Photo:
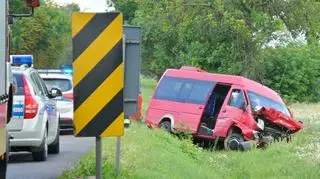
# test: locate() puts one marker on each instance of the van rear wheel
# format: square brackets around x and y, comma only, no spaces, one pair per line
[166,125]
[232,142]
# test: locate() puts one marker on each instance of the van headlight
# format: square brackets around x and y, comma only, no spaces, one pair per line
[261,124]
[255,134]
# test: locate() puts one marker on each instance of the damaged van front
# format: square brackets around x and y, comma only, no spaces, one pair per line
[275,126]
[274,123]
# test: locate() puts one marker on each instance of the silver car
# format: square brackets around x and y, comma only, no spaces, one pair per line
[58,79]
[34,125]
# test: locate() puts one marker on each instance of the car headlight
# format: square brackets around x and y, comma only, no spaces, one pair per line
[261,124]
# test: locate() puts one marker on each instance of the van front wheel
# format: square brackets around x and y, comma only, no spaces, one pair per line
[166,125]
[232,142]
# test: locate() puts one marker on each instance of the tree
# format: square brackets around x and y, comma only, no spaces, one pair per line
[128,8]
[299,17]
[47,35]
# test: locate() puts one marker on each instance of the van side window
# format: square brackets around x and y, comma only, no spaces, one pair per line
[237,98]
[200,93]
[169,89]
[184,90]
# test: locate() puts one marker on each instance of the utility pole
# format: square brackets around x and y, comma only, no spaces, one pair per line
[3,87]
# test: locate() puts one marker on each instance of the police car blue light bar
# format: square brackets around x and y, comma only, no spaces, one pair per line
[68,71]
[17,60]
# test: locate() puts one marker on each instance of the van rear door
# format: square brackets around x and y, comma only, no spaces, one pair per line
[186,97]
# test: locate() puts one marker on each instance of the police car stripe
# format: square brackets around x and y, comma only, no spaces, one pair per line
[99,73]
[17,110]
[88,34]
[105,117]
[17,114]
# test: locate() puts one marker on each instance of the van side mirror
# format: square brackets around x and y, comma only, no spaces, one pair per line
[55,92]
[33,3]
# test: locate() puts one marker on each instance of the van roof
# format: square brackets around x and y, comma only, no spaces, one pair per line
[199,74]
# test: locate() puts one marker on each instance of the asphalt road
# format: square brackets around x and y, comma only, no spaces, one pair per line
[21,165]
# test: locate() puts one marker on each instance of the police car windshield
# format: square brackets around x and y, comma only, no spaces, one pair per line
[18,82]
[257,101]
[62,84]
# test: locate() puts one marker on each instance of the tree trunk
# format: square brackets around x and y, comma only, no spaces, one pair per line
[248,57]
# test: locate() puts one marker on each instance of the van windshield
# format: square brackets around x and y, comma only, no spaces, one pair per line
[184,90]
[257,101]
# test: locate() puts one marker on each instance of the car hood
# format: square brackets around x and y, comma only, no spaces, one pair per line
[280,119]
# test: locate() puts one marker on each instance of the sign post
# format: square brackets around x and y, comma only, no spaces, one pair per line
[117,162]
[98,158]
[98,77]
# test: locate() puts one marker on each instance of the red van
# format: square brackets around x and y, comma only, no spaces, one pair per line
[227,108]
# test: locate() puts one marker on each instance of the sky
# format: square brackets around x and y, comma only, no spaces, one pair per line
[87,5]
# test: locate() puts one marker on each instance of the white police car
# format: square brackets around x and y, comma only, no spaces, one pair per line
[61,79]
[34,125]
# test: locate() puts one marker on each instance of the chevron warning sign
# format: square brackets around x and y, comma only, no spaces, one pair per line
[98,74]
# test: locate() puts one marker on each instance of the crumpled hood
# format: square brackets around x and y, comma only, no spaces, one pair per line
[280,119]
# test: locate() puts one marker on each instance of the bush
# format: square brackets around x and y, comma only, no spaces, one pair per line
[294,72]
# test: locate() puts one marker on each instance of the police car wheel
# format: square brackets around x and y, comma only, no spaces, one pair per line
[54,148]
[43,153]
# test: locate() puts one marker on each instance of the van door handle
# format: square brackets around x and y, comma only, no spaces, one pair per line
[224,110]
[200,107]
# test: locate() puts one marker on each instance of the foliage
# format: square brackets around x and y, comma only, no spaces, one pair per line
[229,36]
[293,71]
[47,35]
[299,17]
[147,153]
[128,8]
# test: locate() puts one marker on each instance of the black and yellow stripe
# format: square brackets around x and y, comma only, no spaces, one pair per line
[98,74]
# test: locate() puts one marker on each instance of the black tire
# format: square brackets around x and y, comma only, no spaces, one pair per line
[4,161]
[232,142]
[10,104]
[166,125]
[3,166]
[54,148]
[42,154]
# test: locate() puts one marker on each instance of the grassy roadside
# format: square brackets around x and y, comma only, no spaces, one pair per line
[154,154]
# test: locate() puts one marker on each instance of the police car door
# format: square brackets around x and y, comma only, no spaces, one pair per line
[51,108]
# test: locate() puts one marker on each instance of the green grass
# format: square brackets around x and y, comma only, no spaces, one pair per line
[147,153]
[147,86]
